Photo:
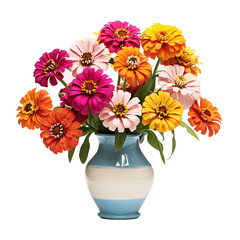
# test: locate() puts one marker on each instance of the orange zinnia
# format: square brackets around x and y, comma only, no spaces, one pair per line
[60,131]
[162,41]
[204,117]
[35,107]
[132,65]
[188,60]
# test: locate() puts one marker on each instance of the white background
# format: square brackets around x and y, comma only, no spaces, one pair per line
[194,196]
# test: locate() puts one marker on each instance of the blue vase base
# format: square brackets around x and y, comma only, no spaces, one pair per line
[119,217]
[119,209]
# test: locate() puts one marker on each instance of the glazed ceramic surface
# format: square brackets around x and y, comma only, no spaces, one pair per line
[120,181]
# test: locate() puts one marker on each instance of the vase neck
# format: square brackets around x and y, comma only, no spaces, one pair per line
[109,139]
[129,156]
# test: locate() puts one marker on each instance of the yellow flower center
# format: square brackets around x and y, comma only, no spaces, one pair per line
[50,66]
[89,87]
[122,33]
[180,81]
[29,107]
[120,109]
[57,130]
[161,112]
[132,62]
[87,58]
[162,36]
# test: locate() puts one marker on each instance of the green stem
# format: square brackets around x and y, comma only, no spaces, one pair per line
[119,80]
[156,67]
[124,84]
[64,84]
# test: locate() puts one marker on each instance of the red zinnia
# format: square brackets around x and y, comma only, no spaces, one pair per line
[60,131]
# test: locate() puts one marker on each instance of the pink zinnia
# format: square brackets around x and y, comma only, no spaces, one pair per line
[51,66]
[88,53]
[184,88]
[91,89]
[121,112]
[117,34]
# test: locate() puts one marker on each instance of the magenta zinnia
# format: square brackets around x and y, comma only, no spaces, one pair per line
[116,35]
[88,53]
[91,89]
[51,66]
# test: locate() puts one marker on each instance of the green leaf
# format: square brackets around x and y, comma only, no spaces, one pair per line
[153,80]
[155,143]
[173,143]
[87,130]
[119,140]
[57,107]
[70,154]
[146,89]
[94,121]
[84,124]
[140,127]
[84,150]
[162,133]
[189,129]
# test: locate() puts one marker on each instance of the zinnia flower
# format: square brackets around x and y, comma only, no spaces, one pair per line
[60,131]
[121,112]
[117,34]
[88,53]
[162,41]
[51,66]
[188,60]
[184,88]
[35,107]
[91,89]
[66,102]
[161,111]
[204,117]
[132,65]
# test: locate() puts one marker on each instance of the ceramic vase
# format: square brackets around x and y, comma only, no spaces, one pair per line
[119,182]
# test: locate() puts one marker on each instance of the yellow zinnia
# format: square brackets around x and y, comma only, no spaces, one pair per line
[188,60]
[161,111]
[162,41]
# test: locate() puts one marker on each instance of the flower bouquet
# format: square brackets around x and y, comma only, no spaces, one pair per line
[146,101]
